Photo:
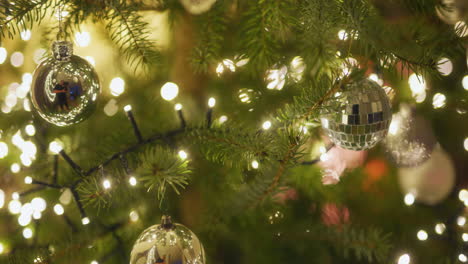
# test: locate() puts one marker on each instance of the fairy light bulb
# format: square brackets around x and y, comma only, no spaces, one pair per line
[465,237]
[445,66]
[463,195]
[422,235]
[106,184]
[438,101]
[38,204]
[127,108]
[3,150]
[58,209]
[30,130]
[211,102]
[465,82]
[255,164]
[2,248]
[55,147]
[117,86]
[94,262]
[266,125]
[465,144]
[17,59]
[15,168]
[461,220]
[183,155]
[24,219]
[14,206]
[409,199]
[85,220]
[178,107]
[28,180]
[27,233]
[82,39]
[3,55]
[462,257]
[26,35]
[134,216]
[15,196]
[440,228]
[169,91]
[404,259]
[132,181]
[2,198]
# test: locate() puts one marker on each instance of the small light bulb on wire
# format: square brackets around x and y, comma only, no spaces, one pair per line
[132,181]
[422,235]
[266,125]
[127,108]
[106,184]
[255,164]
[28,180]
[404,259]
[211,102]
[183,155]
[85,220]
[178,107]
[169,91]
[58,209]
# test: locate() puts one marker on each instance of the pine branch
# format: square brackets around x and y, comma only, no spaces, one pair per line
[22,14]
[131,34]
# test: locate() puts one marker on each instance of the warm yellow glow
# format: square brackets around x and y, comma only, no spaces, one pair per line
[134,216]
[17,59]
[117,86]
[169,91]
[127,108]
[15,167]
[2,198]
[465,237]
[465,82]
[3,150]
[178,107]
[266,125]
[255,164]
[38,204]
[39,55]
[404,259]
[3,55]
[91,60]
[27,233]
[461,220]
[30,130]
[28,180]
[25,35]
[82,38]
[222,119]
[94,262]
[211,102]
[409,199]
[439,228]
[106,184]
[132,181]
[85,220]
[55,147]
[14,206]
[183,155]
[422,235]
[2,248]
[438,101]
[15,196]
[463,195]
[11,100]
[462,257]
[374,77]
[342,34]
[58,209]
[465,145]
[24,219]
[418,87]
[445,66]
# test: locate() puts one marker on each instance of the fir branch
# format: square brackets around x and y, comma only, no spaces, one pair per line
[93,194]
[131,34]
[22,14]
[161,168]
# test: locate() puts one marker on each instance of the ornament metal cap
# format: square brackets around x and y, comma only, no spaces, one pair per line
[62,50]
[166,222]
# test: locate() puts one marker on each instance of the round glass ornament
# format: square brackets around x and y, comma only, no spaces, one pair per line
[358,117]
[167,243]
[65,87]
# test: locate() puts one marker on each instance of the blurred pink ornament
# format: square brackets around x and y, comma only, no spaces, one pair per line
[333,215]
[285,194]
[337,160]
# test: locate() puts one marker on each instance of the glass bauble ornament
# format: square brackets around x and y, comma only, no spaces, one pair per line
[167,243]
[358,117]
[410,139]
[65,87]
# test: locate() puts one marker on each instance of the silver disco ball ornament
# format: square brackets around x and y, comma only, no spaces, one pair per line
[358,117]
[167,243]
[65,87]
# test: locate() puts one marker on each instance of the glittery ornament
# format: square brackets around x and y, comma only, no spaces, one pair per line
[167,243]
[432,181]
[359,117]
[197,7]
[410,140]
[64,88]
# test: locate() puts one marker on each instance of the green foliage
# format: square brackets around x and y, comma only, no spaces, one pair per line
[92,193]
[22,14]
[131,34]
[161,168]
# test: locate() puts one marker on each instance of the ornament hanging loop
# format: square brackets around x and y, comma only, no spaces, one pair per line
[61,32]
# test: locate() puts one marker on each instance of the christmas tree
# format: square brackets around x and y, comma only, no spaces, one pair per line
[233,131]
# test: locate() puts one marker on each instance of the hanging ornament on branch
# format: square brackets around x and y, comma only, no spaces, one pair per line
[167,243]
[358,117]
[410,140]
[65,87]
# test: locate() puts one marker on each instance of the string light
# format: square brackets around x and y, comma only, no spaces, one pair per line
[24,219]
[418,87]
[28,180]
[55,147]
[409,199]
[91,60]
[15,168]
[465,144]
[462,257]
[178,107]
[27,233]
[117,86]
[134,216]
[463,195]
[127,108]
[255,164]
[439,228]
[106,184]
[276,78]
[58,209]
[2,198]
[3,150]
[132,181]
[211,102]
[169,91]
[404,259]
[37,215]
[3,55]
[444,66]
[223,119]
[26,35]
[2,248]
[38,204]
[82,38]
[30,130]
[438,101]
[15,196]
[38,55]
[94,262]
[85,220]
[266,125]
[374,77]
[422,235]
[14,206]
[17,59]
[324,157]
[461,220]
[464,81]
[183,155]
[465,237]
